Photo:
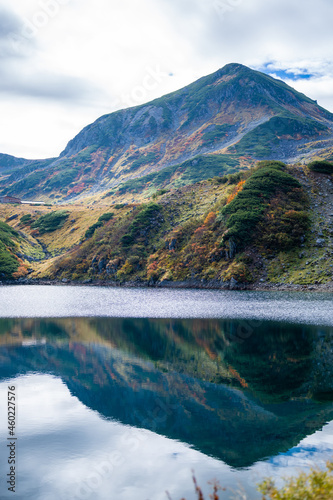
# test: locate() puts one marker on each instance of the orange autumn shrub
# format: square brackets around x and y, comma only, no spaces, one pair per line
[237,190]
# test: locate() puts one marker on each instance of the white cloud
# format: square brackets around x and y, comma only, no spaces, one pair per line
[317,88]
[96,54]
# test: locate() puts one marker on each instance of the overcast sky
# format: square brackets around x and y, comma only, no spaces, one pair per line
[64,63]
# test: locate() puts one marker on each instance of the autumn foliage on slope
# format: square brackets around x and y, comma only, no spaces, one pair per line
[263,208]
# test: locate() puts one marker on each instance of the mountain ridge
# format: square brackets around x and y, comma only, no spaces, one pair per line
[234,111]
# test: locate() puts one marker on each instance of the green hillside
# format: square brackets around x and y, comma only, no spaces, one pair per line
[188,172]
[265,224]
[9,262]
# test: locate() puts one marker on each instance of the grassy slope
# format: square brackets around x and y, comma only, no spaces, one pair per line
[266,138]
[9,263]
[38,250]
[182,234]
[312,263]
[187,173]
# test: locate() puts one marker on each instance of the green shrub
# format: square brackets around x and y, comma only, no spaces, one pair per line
[26,219]
[6,234]
[159,193]
[85,155]
[285,230]
[145,215]
[324,167]
[244,213]
[51,222]
[134,261]
[167,117]
[103,218]
[8,263]
[106,217]
[234,178]
[220,180]
[125,270]
[127,240]
[271,163]
[268,180]
[141,223]
[91,230]
[242,223]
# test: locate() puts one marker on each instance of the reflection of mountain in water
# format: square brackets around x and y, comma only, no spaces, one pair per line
[239,399]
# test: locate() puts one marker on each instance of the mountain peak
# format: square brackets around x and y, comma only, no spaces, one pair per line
[237,111]
[234,67]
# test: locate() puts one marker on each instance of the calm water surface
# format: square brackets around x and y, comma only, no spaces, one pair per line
[117,402]
[70,301]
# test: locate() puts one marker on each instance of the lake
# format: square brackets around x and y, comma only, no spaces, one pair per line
[122,393]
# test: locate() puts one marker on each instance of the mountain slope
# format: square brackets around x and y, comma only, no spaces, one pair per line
[8,162]
[235,111]
[269,226]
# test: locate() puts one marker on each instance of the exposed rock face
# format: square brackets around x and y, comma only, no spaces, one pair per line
[172,244]
[233,284]
[320,242]
[101,265]
[112,266]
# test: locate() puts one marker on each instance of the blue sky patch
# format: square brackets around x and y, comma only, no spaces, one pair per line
[286,74]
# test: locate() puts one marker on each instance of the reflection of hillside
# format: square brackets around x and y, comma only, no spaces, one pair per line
[273,362]
[166,376]
[14,331]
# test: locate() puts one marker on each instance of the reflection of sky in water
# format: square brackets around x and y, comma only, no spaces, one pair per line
[67,452]
[313,451]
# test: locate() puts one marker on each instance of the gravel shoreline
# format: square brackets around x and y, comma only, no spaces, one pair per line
[190,284]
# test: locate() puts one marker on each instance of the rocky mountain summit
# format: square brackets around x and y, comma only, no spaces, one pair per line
[217,125]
